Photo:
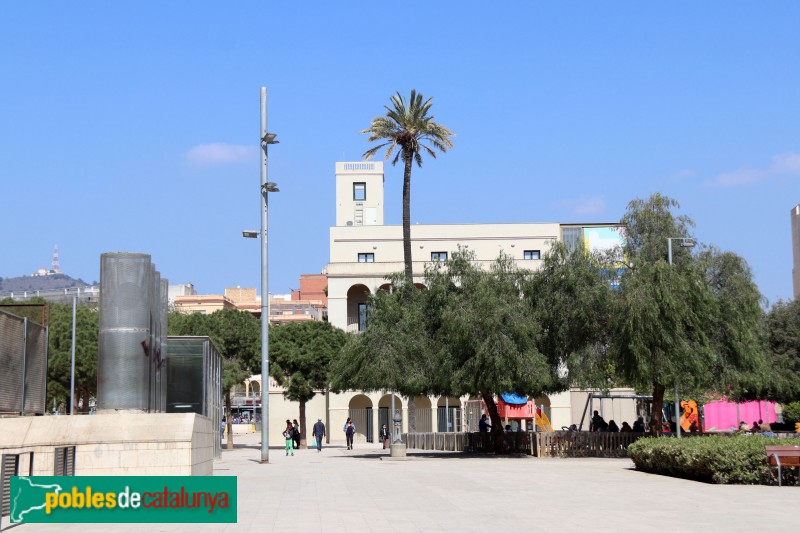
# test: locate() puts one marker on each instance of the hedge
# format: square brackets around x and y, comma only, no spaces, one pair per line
[736,459]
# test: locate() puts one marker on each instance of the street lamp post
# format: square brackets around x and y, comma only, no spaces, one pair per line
[266,188]
[685,242]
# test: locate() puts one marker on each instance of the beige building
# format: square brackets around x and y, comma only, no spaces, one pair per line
[363,251]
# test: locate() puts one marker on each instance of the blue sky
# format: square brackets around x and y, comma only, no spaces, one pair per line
[134,126]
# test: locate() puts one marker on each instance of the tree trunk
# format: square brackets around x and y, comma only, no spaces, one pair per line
[229,421]
[498,435]
[407,158]
[303,444]
[412,415]
[656,418]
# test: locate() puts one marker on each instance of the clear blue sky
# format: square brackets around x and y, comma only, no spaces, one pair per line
[134,126]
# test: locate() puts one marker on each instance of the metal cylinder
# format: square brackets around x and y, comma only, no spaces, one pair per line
[125,328]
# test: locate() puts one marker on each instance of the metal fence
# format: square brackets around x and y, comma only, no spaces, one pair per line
[585,444]
[23,365]
[362,419]
[449,442]
[423,420]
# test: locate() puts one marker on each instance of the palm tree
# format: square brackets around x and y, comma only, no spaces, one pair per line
[408,125]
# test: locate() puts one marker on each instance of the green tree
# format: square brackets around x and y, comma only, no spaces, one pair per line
[59,363]
[694,323]
[468,333]
[300,356]
[783,337]
[409,125]
[572,300]
[237,335]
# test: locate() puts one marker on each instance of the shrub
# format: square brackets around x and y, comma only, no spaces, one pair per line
[791,413]
[736,459]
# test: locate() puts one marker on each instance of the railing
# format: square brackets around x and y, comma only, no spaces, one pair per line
[585,444]
[449,442]
[518,442]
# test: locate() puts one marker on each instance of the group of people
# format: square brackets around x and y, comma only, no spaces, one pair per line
[598,424]
[758,427]
[291,435]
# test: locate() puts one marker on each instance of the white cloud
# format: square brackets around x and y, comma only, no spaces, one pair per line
[681,175]
[743,176]
[585,206]
[787,164]
[221,153]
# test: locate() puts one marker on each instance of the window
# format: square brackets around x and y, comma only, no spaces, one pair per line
[362,317]
[438,256]
[359,191]
[532,254]
[366,258]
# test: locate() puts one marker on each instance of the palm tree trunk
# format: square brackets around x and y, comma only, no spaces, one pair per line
[407,217]
[656,418]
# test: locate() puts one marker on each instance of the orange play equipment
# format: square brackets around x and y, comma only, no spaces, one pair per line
[690,415]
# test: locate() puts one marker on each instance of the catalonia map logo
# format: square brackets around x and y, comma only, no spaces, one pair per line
[123,499]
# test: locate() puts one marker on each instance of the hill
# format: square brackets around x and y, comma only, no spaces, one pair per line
[50,282]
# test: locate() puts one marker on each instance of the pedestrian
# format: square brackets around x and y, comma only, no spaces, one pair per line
[483,425]
[638,426]
[222,430]
[287,434]
[384,435]
[613,427]
[319,432]
[349,431]
[296,434]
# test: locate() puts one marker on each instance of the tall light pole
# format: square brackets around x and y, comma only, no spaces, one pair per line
[266,188]
[685,242]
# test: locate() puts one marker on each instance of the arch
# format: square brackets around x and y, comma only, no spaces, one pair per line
[384,408]
[360,411]
[452,401]
[360,401]
[449,417]
[386,287]
[423,415]
[357,298]
[386,401]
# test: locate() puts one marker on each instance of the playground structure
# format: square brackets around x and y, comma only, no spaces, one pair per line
[517,408]
[642,399]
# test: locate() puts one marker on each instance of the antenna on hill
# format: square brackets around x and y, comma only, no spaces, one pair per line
[56,267]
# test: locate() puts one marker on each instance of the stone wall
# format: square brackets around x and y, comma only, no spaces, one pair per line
[139,444]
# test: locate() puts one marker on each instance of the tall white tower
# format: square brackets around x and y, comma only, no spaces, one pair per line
[359,193]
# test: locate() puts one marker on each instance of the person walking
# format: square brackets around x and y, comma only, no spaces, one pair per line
[288,435]
[296,434]
[384,435]
[349,431]
[319,432]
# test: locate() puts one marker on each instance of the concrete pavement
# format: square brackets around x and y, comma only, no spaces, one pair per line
[361,490]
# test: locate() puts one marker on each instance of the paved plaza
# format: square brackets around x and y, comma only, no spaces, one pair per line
[363,490]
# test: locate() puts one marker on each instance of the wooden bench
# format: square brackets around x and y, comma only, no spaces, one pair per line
[781,456]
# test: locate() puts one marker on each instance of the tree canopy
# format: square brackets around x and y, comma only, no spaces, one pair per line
[300,356]
[60,354]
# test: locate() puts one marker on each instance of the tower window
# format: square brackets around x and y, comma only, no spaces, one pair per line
[359,191]
[438,256]
[366,257]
